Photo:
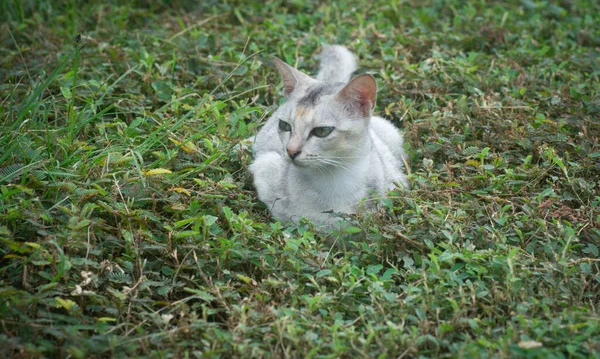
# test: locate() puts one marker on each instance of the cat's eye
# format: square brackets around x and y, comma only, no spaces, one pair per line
[284,126]
[322,131]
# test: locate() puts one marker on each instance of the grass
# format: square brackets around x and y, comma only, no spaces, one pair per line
[129,225]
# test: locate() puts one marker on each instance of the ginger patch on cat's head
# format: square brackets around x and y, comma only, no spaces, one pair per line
[314,93]
[304,114]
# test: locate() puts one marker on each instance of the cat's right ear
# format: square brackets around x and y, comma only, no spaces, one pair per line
[292,78]
[361,94]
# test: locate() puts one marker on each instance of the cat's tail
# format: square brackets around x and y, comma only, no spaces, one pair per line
[337,64]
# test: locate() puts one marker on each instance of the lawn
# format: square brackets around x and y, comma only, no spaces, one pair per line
[129,225]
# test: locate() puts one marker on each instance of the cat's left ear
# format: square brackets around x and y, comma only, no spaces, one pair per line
[292,78]
[360,93]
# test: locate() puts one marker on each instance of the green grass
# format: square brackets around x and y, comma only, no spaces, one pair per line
[129,225]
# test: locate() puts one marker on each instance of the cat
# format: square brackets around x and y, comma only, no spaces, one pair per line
[322,151]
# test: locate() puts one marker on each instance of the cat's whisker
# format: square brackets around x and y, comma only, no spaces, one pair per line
[325,168]
[337,164]
[345,157]
[321,168]
[318,166]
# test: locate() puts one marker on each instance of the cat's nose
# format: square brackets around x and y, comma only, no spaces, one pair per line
[293,154]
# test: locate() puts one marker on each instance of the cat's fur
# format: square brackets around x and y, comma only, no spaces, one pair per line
[361,157]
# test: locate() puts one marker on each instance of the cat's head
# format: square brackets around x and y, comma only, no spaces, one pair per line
[324,125]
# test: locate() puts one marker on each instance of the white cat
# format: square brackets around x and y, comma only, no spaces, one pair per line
[322,152]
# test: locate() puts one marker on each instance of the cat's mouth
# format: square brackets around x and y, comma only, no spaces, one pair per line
[300,163]
[314,166]
[304,162]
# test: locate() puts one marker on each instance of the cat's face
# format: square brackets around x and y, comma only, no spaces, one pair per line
[324,126]
[320,136]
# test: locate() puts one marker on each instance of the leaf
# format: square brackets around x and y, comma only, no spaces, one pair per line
[352,230]
[106,319]
[66,92]
[484,152]
[374,269]
[470,151]
[228,213]
[163,90]
[547,192]
[323,273]
[11,171]
[157,171]
[136,122]
[244,278]
[209,220]
[447,235]
[530,344]
[181,190]
[204,295]
[388,273]
[68,304]
[585,267]
[188,146]
[74,225]
[33,245]
[127,236]
[592,248]
[185,222]
[184,234]
[4,231]
[525,143]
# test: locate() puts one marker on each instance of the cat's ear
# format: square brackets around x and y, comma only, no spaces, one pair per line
[360,93]
[292,78]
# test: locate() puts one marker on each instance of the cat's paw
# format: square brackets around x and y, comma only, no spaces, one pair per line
[267,170]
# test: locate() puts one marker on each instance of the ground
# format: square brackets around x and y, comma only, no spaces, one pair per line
[129,226]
